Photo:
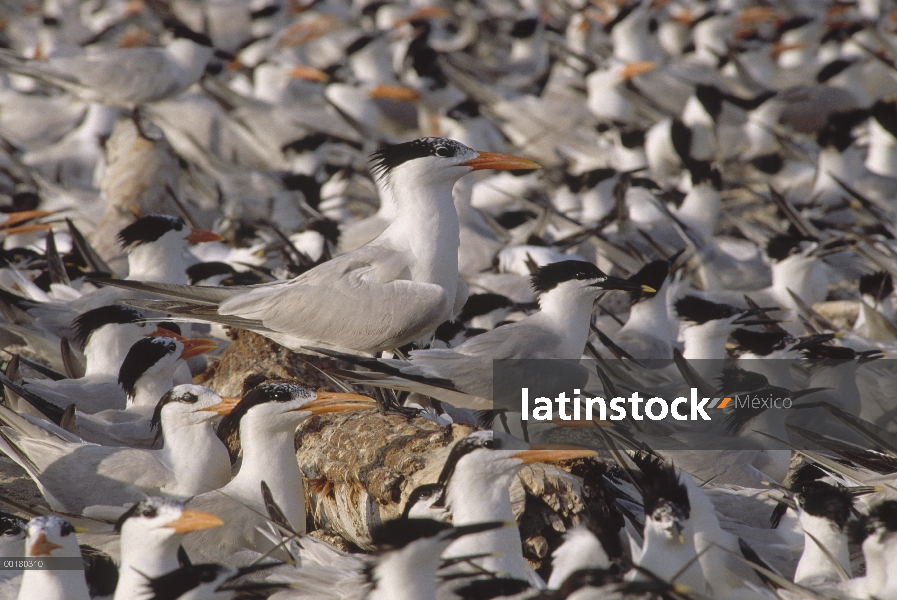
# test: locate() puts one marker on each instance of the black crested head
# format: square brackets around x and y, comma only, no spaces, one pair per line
[524,28]
[269,391]
[86,323]
[884,514]
[466,109]
[830,502]
[384,160]
[182,31]
[548,277]
[885,113]
[143,354]
[587,180]
[327,228]
[632,138]
[760,343]
[654,274]
[700,311]
[703,172]
[824,352]
[172,395]
[475,441]
[660,484]
[879,285]
[175,584]
[359,44]
[780,247]
[11,525]
[204,270]
[838,129]
[711,99]
[398,533]
[148,229]
[427,491]
[147,508]
[734,379]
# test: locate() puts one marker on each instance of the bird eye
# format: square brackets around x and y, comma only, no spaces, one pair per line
[66,529]
[489,444]
[443,152]
[189,398]
[150,513]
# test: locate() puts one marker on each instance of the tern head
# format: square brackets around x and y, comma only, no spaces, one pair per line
[480,459]
[664,496]
[122,321]
[190,404]
[157,358]
[163,231]
[434,160]
[577,277]
[51,536]
[698,311]
[874,529]
[819,500]
[279,406]
[12,534]
[156,522]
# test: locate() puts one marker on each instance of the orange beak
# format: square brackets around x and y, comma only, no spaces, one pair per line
[201,235]
[394,92]
[541,456]
[637,68]
[42,546]
[14,218]
[329,402]
[224,407]
[194,520]
[196,346]
[500,162]
[309,74]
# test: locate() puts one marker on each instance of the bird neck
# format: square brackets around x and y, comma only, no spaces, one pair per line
[882,155]
[404,575]
[59,585]
[814,565]
[270,456]
[705,341]
[700,209]
[149,389]
[876,565]
[650,316]
[144,558]
[569,316]
[427,225]
[195,455]
[666,557]
[106,350]
[149,262]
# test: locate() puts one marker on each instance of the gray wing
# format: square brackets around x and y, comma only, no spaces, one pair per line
[364,300]
[81,475]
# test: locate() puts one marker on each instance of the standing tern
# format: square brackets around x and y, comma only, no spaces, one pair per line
[75,475]
[125,77]
[392,291]
[559,330]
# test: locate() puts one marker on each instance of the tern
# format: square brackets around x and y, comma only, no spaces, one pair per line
[823,511]
[392,291]
[559,330]
[52,537]
[125,77]
[266,419]
[478,463]
[75,475]
[151,533]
